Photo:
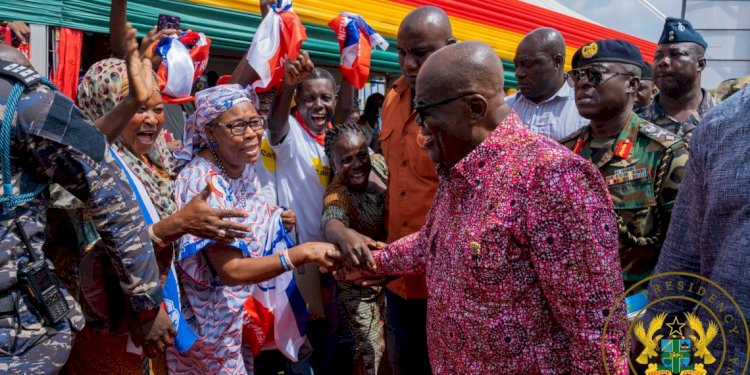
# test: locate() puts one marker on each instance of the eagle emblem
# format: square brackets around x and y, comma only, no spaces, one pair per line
[676,353]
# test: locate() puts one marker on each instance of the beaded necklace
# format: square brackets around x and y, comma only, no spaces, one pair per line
[243,187]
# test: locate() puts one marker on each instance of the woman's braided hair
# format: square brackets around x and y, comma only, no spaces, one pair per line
[333,135]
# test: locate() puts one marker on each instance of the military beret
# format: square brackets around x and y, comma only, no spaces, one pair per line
[609,50]
[646,73]
[678,30]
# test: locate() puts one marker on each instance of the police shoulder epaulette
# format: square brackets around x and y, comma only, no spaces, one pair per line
[659,135]
[29,77]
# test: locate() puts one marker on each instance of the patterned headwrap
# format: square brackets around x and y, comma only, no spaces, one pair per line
[103,87]
[210,104]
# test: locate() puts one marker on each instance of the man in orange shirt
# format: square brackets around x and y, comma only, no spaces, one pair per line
[412,184]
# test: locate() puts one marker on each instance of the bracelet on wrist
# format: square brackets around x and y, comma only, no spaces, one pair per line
[158,241]
[285,253]
[284,265]
[286,262]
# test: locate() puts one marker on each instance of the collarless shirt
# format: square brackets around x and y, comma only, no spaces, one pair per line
[555,117]
[521,257]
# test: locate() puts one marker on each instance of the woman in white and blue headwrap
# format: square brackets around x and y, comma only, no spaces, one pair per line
[222,142]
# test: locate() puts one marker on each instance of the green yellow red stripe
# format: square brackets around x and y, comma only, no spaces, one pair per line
[500,23]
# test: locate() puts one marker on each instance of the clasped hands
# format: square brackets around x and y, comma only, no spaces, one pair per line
[359,265]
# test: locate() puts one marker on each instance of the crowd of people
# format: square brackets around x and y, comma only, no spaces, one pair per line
[447,229]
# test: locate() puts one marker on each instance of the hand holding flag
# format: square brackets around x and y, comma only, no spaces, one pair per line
[356,39]
[296,71]
[278,38]
[148,43]
[276,315]
[184,60]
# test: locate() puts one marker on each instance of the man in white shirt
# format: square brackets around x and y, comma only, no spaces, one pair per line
[302,168]
[266,164]
[544,101]
[302,175]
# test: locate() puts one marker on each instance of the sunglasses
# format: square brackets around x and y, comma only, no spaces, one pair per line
[594,76]
[239,127]
[422,108]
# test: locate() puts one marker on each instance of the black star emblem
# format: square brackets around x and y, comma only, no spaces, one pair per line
[673,330]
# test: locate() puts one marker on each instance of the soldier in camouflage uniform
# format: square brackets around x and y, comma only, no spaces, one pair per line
[51,142]
[730,86]
[678,63]
[642,164]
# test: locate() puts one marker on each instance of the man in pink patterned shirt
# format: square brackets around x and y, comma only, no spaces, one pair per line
[520,248]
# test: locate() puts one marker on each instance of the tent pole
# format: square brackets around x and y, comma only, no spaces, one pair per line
[684,8]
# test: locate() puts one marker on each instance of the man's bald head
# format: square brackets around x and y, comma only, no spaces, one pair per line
[422,32]
[461,67]
[460,100]
[8,53]
[540,64]
[544,39]
[430,17]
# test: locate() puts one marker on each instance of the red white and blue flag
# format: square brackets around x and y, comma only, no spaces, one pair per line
[279,37]
[275,314]
[356,40]
[183,60]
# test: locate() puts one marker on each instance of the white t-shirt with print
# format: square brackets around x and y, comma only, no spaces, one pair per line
[302,174]
[266,169]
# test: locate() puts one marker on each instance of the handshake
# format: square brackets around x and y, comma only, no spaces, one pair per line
[355,261]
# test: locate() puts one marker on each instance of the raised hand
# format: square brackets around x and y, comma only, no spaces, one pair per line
[118,18]
[150,40]
[296,71]
[21,29]
[140,71]
[140,82]
[265,7]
